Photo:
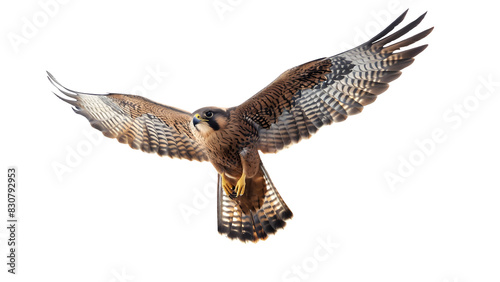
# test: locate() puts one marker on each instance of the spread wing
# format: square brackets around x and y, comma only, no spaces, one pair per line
[327,90]
[137,121]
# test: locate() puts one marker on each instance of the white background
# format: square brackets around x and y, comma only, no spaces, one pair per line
[116,214]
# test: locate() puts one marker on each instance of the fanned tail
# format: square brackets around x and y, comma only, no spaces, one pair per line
[258,213]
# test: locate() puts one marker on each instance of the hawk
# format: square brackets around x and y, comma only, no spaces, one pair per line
[293,107]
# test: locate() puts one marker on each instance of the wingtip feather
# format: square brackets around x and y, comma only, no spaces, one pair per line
[60,87]
[389,28]
[71,102]
[401,31]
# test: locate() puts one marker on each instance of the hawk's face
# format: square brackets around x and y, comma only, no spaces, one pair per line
[209,120]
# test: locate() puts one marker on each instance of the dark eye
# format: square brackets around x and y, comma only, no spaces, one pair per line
[209,114]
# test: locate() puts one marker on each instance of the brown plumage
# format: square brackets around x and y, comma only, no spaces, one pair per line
[291,108]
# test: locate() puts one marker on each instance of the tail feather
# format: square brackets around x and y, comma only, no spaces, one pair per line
[258,213]
[275,201]
[235,225]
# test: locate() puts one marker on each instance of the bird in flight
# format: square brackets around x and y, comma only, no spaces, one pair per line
[293,107]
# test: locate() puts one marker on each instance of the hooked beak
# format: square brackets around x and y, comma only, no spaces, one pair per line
[197,119]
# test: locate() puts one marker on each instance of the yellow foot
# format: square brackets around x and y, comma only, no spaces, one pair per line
[228,188]
[240,186]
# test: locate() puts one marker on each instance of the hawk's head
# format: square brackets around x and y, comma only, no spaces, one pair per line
[210,119]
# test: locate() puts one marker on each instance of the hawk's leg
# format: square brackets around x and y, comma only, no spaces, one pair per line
[240,185]
[250,161]
[226,185]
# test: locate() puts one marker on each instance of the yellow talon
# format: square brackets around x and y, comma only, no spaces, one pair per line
[238,190]
[228,188]
[240,186]
[229,192]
